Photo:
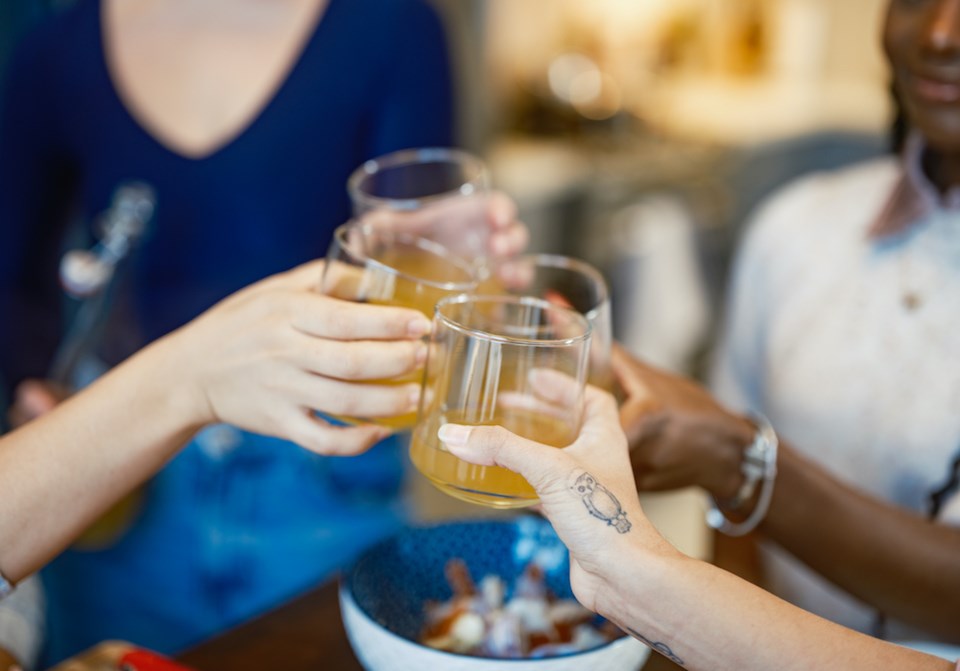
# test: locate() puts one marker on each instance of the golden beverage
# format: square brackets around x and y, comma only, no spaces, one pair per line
[405,274]
[487,485]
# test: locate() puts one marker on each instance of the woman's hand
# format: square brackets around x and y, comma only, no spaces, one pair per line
[679,435]
[475,226]
[33,398]
[586,490]
[7,661]
[267,357]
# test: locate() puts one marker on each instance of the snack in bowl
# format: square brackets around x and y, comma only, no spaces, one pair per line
[526,620]
[384,597]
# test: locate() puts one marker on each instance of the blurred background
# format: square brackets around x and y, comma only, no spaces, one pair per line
[640,135]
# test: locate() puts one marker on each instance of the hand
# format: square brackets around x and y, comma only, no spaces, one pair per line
[678,434]
[586,490]
[268,356]
[33,398]
[508,235]
[470,226]
[8,662]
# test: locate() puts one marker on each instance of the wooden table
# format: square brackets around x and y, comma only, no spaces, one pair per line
[304,635]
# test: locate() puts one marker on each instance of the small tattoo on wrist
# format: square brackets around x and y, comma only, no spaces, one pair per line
[662,648]
[601,503]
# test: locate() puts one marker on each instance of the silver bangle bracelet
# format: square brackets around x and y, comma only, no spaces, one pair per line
[759,463]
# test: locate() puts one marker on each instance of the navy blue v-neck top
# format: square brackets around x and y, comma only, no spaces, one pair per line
[372,78]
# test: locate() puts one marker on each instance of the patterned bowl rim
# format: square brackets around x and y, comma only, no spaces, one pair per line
[346,594]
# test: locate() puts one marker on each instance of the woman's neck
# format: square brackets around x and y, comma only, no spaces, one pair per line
[942,169]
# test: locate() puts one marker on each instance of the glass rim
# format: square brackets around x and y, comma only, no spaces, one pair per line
[459,299]
[476,182]
[433,247]
[577,265]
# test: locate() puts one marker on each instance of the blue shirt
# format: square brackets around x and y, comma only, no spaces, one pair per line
[373,78]
[226,533]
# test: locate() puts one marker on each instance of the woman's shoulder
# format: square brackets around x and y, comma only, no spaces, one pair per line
[845,183]
[843,199]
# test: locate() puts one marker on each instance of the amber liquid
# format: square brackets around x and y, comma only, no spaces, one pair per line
[379,286]
[492,486]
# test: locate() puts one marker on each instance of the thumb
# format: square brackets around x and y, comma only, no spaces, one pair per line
[539,464]
[36,398]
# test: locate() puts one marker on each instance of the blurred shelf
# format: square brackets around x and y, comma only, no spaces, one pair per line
[733,112]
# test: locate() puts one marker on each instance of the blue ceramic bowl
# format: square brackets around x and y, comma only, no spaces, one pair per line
[383,595]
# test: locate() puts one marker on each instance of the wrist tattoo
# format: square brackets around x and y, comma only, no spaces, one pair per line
[662,648]
[601,503]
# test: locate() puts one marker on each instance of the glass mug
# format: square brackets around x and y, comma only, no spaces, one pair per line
[514,361]
[435,193]
[572,283]
[391,268]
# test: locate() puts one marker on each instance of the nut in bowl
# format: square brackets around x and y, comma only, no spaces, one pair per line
[399,593]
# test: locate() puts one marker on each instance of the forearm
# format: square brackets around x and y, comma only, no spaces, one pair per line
[61,471]
[892,559]
[705,618]
[7,660]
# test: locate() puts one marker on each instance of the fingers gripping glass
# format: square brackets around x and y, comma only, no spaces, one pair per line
[436,193]
[571,283]
[516,362]
[393,268]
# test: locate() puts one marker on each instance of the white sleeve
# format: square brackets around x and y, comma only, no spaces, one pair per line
[22,615]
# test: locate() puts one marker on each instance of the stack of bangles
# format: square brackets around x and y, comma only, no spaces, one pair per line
[759,464]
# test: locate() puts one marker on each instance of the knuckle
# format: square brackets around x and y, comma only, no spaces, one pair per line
[355,441]
[277,420]
[607,401]
[336,321]
[410,361]
[496,438]
[346,403]
[400,399]
[657,460]
[349,366]
[543,481]
[314,440]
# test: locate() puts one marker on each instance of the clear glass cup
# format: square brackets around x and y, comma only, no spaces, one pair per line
[437,193]
[572,283]
[514,361]
[393,268]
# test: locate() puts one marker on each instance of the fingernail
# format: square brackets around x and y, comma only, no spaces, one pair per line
[453,434]
[418,327]
[414,397]
[421,355]
[501,214]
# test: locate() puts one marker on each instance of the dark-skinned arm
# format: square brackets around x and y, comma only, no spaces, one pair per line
[890,558]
